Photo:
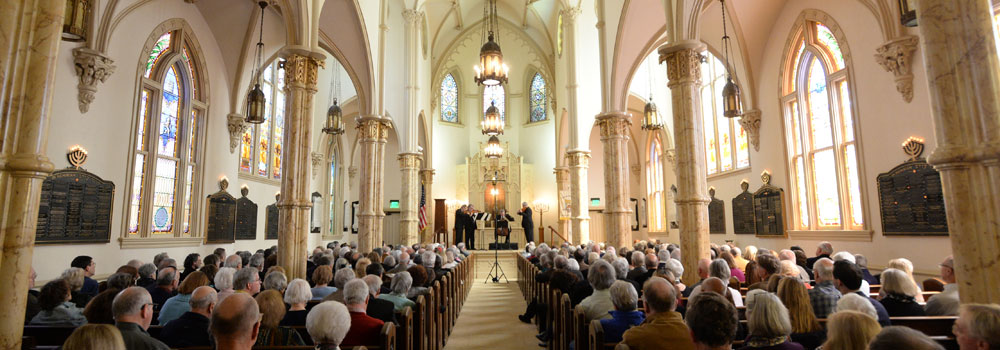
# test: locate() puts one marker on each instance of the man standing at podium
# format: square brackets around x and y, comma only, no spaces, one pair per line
[459,224]
[527,223]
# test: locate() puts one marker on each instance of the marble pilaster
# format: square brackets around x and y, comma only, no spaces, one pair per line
[301,70]
[964,85]
[614,137]
[683,61]
[563,188]
[372,135]
[427,179]
[579,162]
[30,32]
[409,166]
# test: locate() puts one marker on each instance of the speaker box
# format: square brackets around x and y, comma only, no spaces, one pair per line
[503,246]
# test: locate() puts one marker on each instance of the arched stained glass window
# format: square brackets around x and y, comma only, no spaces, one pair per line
[726,145]
[449,99]
[819,127]
[166,145]
[537,103]
[332,198]
[261,144]
[494,94]
[654,187]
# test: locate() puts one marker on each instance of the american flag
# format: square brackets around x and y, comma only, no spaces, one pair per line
[423,209]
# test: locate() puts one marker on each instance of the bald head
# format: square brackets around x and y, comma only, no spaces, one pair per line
[786,255]
[236,320]
[203,300]
[703,268]
[660,295]
[714,285]
[135,305]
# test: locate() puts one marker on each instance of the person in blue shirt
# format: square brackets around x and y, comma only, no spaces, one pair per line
[625,315]
[87,264]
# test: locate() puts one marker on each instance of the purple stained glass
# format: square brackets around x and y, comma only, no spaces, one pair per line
[537,98]
[167,144]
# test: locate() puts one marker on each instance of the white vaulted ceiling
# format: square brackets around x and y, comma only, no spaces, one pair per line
[446,19]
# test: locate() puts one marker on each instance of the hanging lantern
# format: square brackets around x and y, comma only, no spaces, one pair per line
[492,124]
[491,69]
[256,101]
[334,120]
[731,104]
[908,13]
[75,22]
[493,149]
[651,119]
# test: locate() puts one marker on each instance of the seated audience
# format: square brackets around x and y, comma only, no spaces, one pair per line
[417,288]
[89,267]
[321,278]
[272,311]
[328,324]
[191,328]
[713,322]
[793,269]
[177,305]
[364,329]
[850,330]
[824,295]
[768,323]
[733,269]
[806,330]
[625,300]
[898,337]
[978,326]
[94,337]
[192,262]
[862,262]
[147,276]
[719,269]
[133,309]
[400,286]
[74,276]
[165,287]
[340,279]
[275,280]
[98,310]
[766,266]
[865,288]
[235,322]
[620,265]
[898,292]
[234,261]
[378,308]
[598,304]
[246,280]
[663,328]
[703,273]
[847,278]
[823,250]
[945,303]
[209,271]
[224,282]
[211,260]
[56,308]
[854,302]
[902,264]
[296,296]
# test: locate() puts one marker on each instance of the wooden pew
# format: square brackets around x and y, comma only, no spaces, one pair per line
[582,328]
[596,337]
[566,315]
[404,335]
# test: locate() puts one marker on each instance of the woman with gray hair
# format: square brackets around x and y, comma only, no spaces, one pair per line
[224,282]
[400,286]
[625,300]
[74,276]
[275,280]
[297,295]
[767,320]
[598,304]
[898,294]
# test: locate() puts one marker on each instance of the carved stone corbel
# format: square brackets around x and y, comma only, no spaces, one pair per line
[750,121]
[352,172]
[317,162]
[237,125]
[92,67]
[896,56]
[670,156]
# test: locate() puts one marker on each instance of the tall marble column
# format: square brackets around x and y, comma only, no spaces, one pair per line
[427,179]
[614,137]
[964,81]
[579,161]
[373,132]
[301,69]
[409,166]
[29,45]
[562,188]
[684,74]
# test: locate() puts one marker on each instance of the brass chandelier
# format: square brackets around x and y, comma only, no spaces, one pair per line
[492,124]
[491,69]
[493,149]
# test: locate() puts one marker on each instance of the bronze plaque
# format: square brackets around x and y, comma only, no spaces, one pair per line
[271,226]
[716,214]
[75,207]
[743,218]
[246,218]
[911,200]
[768,207]
[221,220]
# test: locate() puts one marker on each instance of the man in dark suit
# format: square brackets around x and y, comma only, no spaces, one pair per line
[460,224]
[470,227]
[527,223]
[191,329]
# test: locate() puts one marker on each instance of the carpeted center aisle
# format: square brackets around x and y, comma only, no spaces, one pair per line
[488,319]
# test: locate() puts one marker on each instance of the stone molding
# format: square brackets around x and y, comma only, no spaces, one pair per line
[317,162]
[300,69]
[409,160]
[614,125]
[236,125]
[750,121]
[91,67]
[412,17]
[683,66]
[373,129]
[896,56]
[570,14]
[427,176]
[670,156]
[579,158]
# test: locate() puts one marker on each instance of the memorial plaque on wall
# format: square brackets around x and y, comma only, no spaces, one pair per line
[75,207]
[221,220]
[743,218]
[246,217]
[768,208]
[910,197]
[716,214]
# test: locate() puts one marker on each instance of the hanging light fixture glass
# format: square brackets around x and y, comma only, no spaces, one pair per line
[908,13]
[491,69]
[256,100]
[650,118]
[731,100]
[493,149]
[492,124]
[75,22]
[334,116]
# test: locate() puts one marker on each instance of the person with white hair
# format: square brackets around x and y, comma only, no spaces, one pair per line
[823,250]
[297,295]
[364,329]
[897,294]
[824,295]
[328,324]
[625,299]
[738,259]
[598,304]
[978,326]
[857,303]
[527,223]
[379,308]
[789,255]
[945,303]
[234,261]
[340,279]
[703,266]
[718,268]
[224,282]
[768,324]
[400,287]
[676,268]
[663,325]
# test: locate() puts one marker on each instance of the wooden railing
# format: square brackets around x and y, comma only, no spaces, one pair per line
[557,234]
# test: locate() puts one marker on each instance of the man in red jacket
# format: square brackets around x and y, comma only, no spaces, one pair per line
[364,329]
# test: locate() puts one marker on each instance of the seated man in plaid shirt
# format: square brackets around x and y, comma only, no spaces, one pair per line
[824,295]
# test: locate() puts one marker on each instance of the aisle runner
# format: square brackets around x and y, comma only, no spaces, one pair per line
[489,317]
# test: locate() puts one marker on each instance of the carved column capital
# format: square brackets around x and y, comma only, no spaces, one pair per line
[373,129]
[301,69]
[750,121]
[317,162]
[237,125]
[578,158]
[683,62]
[409,160]
[412,17]
[614,125]
[570,14]
[896,56]
[91,67]
[427,176]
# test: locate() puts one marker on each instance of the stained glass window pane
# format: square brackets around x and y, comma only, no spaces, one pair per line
[819,106]
[187,200]
[194,74]
[163,196]
[845,110]
[742,147]
[264,134]
[159,48]
[167,144]
[853,185]
[191,137]
[279,129]
[135,200]
[449,99]
[494,94]
[800,189]
[826,38]
[795,67]
[537,98]
[559,38]
[796,129]
[824,169]
[246,150]
[333,193]
[722,126]
[143,120]
[710,147]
